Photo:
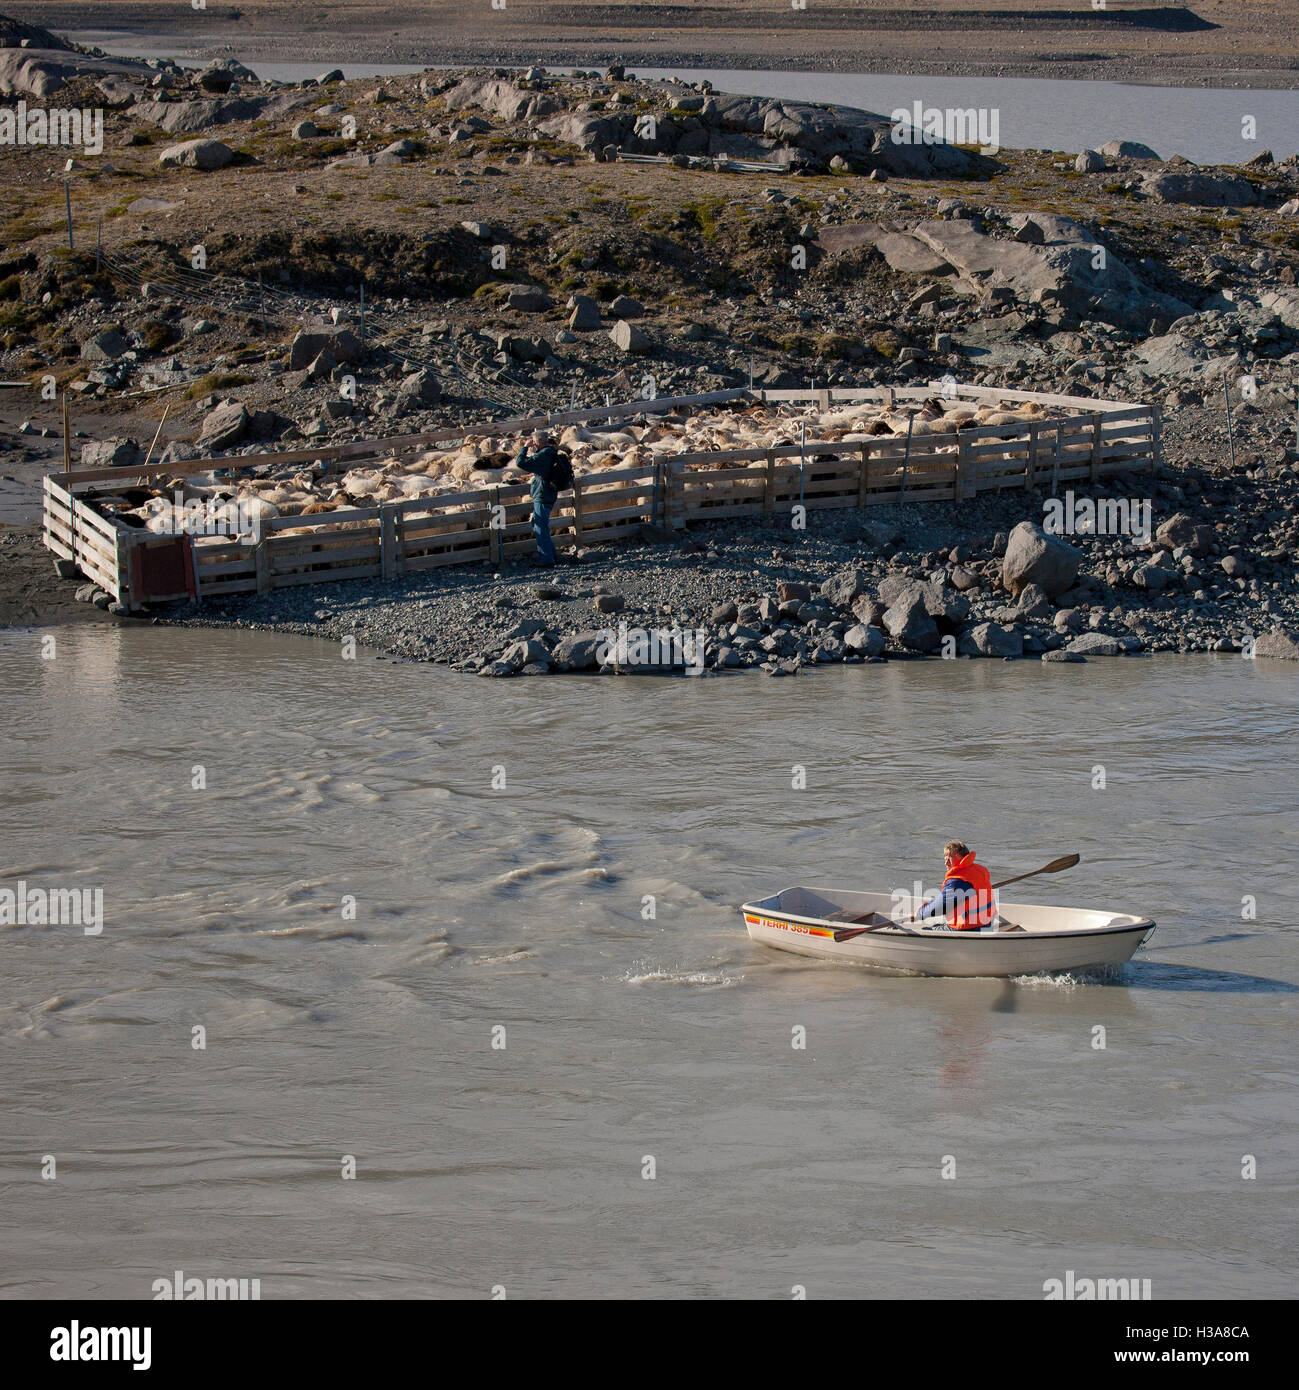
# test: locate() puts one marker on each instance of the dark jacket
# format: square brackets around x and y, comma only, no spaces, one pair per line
[539,464]
[954,892]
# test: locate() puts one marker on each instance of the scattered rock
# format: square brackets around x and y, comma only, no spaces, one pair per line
[341,343]
[197,154]
[628,338]
[110,453]
[1095,644]
[1034,557]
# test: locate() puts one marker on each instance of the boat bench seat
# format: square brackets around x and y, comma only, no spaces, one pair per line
[846,914]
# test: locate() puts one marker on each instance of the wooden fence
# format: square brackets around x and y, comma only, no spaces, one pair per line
[493,523]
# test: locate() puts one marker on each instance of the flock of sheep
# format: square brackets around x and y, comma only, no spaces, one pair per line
[206,506]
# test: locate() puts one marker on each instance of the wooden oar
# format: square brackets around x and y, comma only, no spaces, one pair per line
[1066,861]
[847,933]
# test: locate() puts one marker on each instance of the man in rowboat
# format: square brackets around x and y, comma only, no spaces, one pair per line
[965,899]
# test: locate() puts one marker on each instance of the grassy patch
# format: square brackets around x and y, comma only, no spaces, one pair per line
[215,381]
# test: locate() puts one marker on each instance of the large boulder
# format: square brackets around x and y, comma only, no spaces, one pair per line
[187,117]
[528,652]
[585,317]
[110,453]
[909,624]
[1202,190]
[991,639]
[1095,644]
[105,346]
[223,427]
[628,338]
[197,154]
[1061,267]
[947,606]
[1280,645]
[1127,149]
[1034,557]
[503,99]
[341,343]
[421,388]
[1181,529]
[869,641]
[579,652]
[527,299]
[845,587]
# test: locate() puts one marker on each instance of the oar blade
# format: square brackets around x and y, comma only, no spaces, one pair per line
[1065,862]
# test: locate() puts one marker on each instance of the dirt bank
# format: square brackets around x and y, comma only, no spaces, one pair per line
[1210,42]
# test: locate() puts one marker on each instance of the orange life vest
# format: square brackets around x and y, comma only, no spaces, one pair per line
[979,910]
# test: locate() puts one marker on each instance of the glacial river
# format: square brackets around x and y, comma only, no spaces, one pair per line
[503,844]
[1210,125]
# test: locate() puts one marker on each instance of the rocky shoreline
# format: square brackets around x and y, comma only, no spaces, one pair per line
[978,579]
[514,261]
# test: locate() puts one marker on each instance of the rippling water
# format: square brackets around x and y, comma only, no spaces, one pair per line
[522,907]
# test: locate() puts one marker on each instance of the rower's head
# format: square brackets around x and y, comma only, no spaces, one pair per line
[954,851]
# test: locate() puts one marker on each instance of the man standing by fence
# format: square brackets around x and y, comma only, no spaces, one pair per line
[551,471]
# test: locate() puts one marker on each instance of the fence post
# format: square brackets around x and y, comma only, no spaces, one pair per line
[577,513]
[494,547]
[906,457]
[674,500]
[1156,443]
[769,484]
[387,540]
[966,484]
[1055,460]
[1030,463]
[1097,422]
[262,559]
[864,481]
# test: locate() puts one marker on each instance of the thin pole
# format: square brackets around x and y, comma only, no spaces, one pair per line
[156,433]
[67,437]
[1231,441]
[802,459]
[67,204]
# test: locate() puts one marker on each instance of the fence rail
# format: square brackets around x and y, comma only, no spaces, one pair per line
[492,523]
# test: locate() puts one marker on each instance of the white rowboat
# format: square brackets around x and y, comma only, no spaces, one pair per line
[1053,939]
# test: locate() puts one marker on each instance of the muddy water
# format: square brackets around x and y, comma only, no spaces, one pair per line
[522,908]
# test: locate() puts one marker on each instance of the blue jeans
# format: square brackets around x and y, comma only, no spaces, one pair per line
[541,530]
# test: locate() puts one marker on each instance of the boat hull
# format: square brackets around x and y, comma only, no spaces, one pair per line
[1054,940]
